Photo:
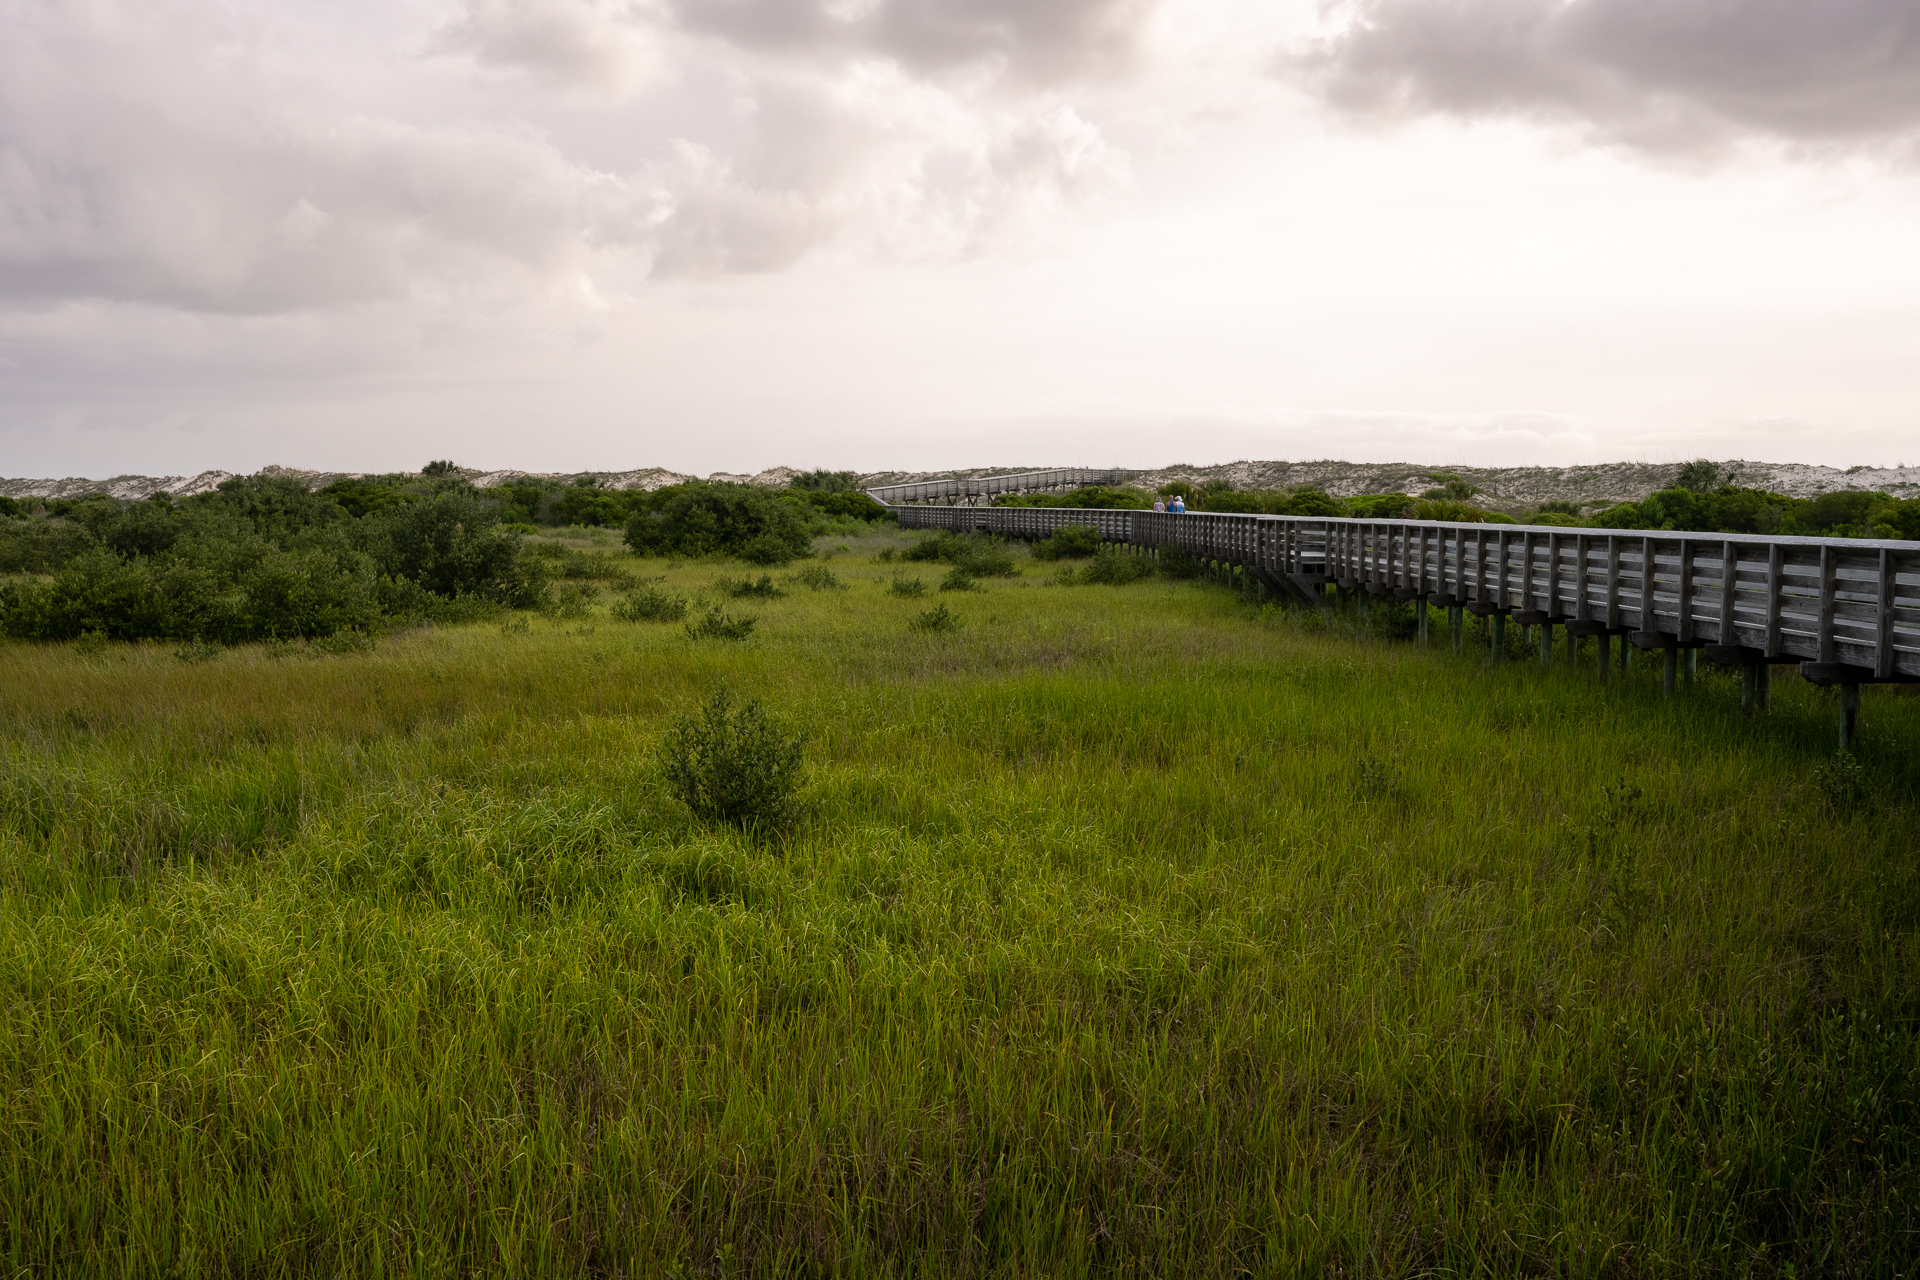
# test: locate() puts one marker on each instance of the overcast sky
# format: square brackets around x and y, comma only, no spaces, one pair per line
[732,234]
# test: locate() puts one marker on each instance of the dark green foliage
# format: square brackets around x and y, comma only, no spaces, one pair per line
[12,507]
[719,519]
[560,561]
[934,621]
[1446,509]
[650,603]
[1557,507]
[851,506]
[979,555]
[1069,542]
[905,586]
[1379,506]
[1451,488]
[261,558]
[359,496]
[817,577]
[748,588]
[1178,565]
[826,482]
[1307,501]
[585,503]
[733,764]
[1701,476]
[440,467]
[1849,513]
[715,625]
[1089,498]
[958,579]
[1115,568]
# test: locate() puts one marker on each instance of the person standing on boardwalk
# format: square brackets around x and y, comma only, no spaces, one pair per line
[1179,505]
[1159,504]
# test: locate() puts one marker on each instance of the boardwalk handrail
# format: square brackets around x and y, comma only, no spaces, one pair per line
[1847,609]
[972,487]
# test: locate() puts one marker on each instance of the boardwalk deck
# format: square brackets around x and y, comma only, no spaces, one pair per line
[970,490]
[1848,609]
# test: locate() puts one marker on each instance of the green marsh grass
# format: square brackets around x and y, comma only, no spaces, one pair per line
[1125,930]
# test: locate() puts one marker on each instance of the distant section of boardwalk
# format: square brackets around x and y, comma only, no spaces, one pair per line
[1846,610]
[968,491]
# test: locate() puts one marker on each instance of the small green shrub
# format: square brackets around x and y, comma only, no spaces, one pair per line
[733,764]
[650,604]
[817,577]
[197,651]
[715,625]
[935,620]
[980,556]
[345,642]
[911,588]
[764,588]
[1178,565]
[1115,568]
[1841,782]
[90,642]
[886,556]
[958,579]
[1069,542]
[573,600]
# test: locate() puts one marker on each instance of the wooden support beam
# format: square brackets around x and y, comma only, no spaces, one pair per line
[1849,715]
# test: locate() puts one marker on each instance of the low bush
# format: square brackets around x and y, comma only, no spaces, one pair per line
[817,577]
[1070,542]
[764,588]
[905,586]
[937,619]
[958,579]
[1115,568]
[981,556]
[650,603]
[699,519]
[1178,565]
[733,764]
[715,625]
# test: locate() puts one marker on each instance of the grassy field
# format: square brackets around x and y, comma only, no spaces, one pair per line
[1129,930]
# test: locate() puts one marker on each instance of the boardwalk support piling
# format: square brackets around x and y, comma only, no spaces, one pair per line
[1849,714]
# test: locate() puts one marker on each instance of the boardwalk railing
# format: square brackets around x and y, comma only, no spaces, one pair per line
[1848,610]
[969,490]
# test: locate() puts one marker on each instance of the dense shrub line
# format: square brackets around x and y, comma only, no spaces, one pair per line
[260,558]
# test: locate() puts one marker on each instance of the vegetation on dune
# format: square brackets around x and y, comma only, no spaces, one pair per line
[1136,931]
[258,559]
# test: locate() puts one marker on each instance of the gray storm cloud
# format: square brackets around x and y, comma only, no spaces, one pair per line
[1660,74]
[193,154]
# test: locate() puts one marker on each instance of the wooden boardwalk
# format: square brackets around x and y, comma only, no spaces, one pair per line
[968,491]
[1847,611]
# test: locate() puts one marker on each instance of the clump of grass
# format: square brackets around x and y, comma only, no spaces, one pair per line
[574,600]
[650,603]
[90,642]
[1069,542]
[1840,782]
[1115,568]
[761,588]
[817,577]
[979,555]
[1178,565]
[733,764]
[935,620]
[715,625]
[345,642]
[911,588]
[197,651]
[958,579]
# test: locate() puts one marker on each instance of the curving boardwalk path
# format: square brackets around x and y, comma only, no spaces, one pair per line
[1845,610]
